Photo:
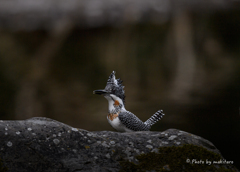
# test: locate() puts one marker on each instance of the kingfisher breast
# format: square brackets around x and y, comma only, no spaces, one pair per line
[111,116]
[115,122]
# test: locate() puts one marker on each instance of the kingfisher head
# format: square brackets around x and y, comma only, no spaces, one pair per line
[114,93]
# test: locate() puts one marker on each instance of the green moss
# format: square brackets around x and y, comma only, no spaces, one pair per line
[174,159]
[2,167]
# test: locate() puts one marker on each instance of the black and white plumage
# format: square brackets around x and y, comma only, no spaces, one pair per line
[132,122]
[155,118]
[118,117]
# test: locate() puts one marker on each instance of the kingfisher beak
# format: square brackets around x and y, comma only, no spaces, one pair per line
[100,92]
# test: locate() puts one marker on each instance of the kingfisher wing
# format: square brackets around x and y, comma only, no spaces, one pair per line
[132,122]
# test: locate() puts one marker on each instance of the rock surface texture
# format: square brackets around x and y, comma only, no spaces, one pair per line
[42,144]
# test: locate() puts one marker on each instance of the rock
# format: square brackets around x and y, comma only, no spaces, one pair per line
[42,144]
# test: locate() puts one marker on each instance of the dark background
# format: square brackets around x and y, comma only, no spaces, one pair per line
[182,57]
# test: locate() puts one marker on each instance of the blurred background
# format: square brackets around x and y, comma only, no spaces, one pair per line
[179,56]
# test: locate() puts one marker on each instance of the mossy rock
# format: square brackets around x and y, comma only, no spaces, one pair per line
[184,158]
[42,144]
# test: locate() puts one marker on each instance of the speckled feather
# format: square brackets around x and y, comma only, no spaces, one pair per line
[154,118]
[132,122]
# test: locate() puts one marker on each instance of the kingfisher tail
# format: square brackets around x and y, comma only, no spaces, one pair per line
[155,118]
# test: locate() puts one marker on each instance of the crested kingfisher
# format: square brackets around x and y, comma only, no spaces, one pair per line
[118,117]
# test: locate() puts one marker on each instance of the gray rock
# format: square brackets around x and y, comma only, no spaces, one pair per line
[42,144]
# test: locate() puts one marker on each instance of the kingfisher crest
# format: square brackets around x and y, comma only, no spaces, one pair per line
[114,86]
